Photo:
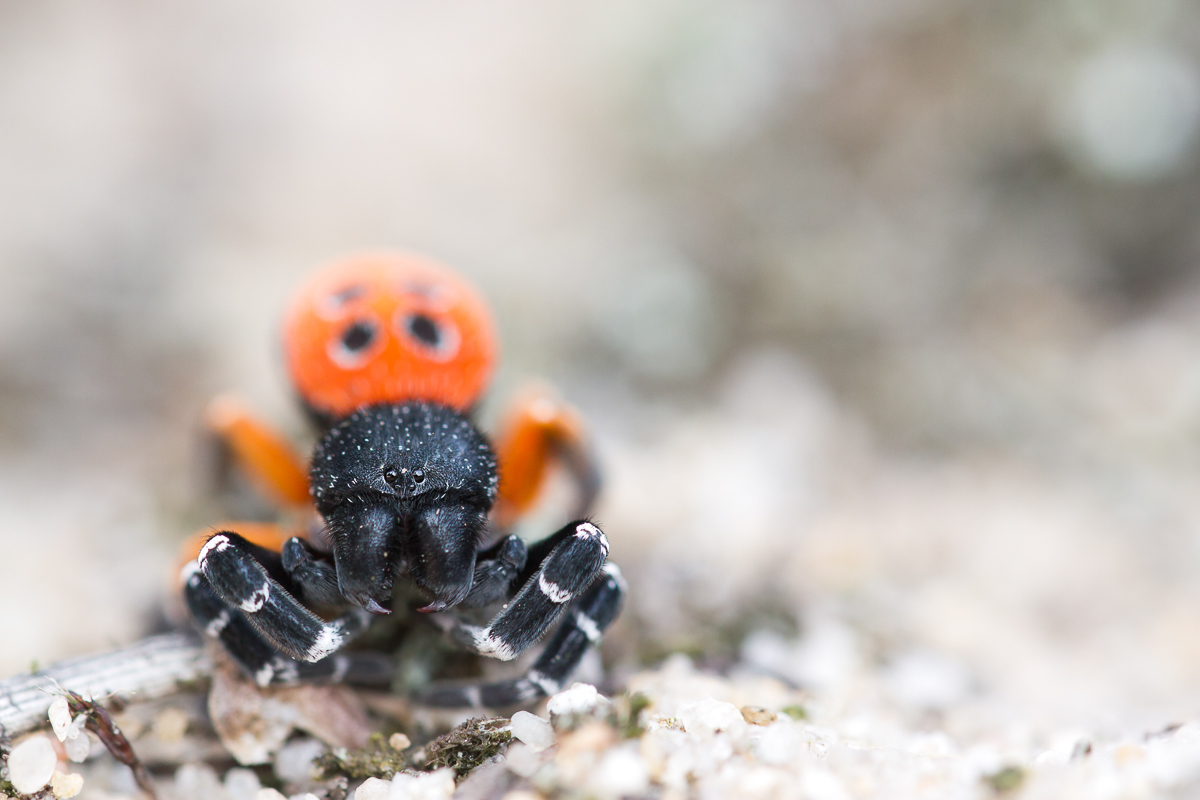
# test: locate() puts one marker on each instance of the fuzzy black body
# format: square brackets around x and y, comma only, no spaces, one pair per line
[405,490]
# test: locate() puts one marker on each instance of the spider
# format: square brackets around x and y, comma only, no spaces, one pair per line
[389,353]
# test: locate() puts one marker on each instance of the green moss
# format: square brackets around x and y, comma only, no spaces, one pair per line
[1006,780]
[796,712]
[629,715]
[377,760]
[6,788]
[467,746]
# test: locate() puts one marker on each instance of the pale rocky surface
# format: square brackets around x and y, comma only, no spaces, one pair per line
[885,315]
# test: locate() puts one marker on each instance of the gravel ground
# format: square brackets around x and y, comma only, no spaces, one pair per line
[885,317]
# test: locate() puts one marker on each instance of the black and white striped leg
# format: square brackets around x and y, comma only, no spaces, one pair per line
[566,571]
[280,619]
[584,626]
[226,624]
[259,659]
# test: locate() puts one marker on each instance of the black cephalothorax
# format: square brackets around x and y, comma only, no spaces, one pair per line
[405,490]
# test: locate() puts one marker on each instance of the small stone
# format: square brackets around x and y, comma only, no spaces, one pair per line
[1128,753]
[60,717]
[78,747]
[523,761]
[241,784]
[532,730]
[31,764]
[65,785]
[373,789]
[69,731]
[170,725]
[710,716]
[577,705]
[294,761]
[821,784]
[305,796]
[398,741]
[197,782]
[757,715]
[620,773]
[779,743]
[436,785]
[269,794]
[580,697]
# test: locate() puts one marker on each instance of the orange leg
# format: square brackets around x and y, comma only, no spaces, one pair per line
[262,452]
[541,428]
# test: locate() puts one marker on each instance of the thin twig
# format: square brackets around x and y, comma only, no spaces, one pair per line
[153,667]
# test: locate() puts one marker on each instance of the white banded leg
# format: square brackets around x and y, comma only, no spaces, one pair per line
[568,569]
[280,619]
[584,625]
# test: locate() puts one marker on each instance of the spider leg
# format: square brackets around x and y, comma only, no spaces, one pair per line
[260,451]
[228,563]
[560,568]
[587,619]
[495,570]
[221,621]
[313,577]
[539,430]
[258,658]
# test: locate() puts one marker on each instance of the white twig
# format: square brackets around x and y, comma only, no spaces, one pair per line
[151,668]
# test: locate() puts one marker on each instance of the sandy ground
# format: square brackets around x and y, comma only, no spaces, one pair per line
[884,316]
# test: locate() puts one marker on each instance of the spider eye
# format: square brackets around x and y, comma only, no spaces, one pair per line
[391,476]
[358,336]
[418,476]
[424,330]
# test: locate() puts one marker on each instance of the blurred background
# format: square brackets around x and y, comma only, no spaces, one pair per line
[885,314]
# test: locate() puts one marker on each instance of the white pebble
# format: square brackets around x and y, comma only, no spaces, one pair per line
[709,716]
[305,796]
[532,730]
[31,764]
[522,760]
[78,747]
[923,679]
[242,784]
[621,773]
[1135,110]
[398,741]
[579,699]
[197,782]
[170,725]
[778,743]
[373,789]
[64,785]
[437,785]
[60,717]
[294,761]
[69,732]
[821,784]
[269,794]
